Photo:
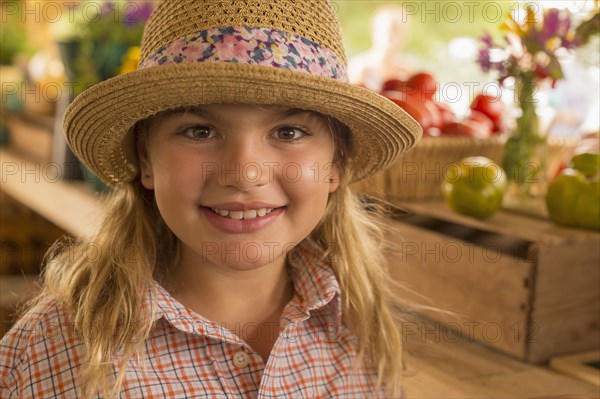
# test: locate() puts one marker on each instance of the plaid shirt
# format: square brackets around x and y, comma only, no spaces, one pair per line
[188,356]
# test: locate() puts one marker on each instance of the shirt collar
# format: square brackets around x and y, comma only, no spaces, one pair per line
[314,280]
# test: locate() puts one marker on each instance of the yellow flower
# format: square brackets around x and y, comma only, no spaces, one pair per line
[510,25]
[553,43]
[130,60]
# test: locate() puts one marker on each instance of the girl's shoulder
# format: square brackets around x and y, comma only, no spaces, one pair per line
[39,322]
[42,335]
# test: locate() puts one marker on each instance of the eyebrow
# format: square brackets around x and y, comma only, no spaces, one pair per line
[288,112]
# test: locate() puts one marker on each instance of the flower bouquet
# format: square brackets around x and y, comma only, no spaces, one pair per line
[529,56]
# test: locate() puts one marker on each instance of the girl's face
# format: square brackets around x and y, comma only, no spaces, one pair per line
[239,185]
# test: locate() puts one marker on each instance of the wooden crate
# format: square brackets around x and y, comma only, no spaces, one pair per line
[520,285]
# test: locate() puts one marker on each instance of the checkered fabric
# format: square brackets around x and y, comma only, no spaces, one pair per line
[188,356]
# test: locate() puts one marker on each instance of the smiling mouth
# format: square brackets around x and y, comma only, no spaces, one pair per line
[243,215]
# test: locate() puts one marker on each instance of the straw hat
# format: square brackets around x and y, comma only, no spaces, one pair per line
[194,52]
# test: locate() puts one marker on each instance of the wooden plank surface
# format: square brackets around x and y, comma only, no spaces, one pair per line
[466,370]
[513,224]
[579,366]
[71,206]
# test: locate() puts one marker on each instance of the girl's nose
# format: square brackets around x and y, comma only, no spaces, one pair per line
[245,164]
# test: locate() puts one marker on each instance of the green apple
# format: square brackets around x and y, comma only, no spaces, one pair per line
[574,200]
[475,187]
[587,163]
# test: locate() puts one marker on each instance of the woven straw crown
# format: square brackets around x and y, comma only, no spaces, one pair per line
[314,20]
[194,52]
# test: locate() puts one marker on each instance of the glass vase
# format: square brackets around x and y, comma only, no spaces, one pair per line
[525,154]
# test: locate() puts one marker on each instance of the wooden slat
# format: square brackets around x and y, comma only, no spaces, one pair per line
[462,369]
[576,366]
[508,223]
[71,206]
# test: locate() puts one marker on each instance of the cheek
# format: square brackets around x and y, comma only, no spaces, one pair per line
[313,166]
[179,169]
[177,181]
[307,184]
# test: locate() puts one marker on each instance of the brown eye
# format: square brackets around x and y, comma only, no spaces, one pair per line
[291,133]
[197,132]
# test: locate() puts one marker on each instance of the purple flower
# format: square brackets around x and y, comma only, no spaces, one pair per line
[531,47]
[565,25]
[483,58]
[569,43]
[487,39]
[139,14]
[552,25]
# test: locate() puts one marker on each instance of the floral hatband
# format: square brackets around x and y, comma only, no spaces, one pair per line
[259,46]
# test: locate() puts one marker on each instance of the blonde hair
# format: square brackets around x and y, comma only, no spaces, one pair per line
[105,294]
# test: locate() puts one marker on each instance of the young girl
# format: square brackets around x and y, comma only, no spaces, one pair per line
[235,260]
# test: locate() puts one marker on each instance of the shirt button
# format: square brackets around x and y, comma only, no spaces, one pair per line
[241,359]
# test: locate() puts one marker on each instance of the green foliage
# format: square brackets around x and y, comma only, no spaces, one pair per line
[13,37]
[588,28]
[98,43]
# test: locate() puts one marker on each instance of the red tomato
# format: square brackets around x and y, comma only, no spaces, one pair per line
[490,106]
[423,83]
[396,95]
[417,110]
[393,84]
[466,129]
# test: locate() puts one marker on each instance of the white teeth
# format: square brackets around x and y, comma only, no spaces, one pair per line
[239,215]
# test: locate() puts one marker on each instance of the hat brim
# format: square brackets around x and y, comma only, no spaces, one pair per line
[98,122]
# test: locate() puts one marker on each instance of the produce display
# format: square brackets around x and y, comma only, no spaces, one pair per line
[417,96]
[573,198]
[475,187]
